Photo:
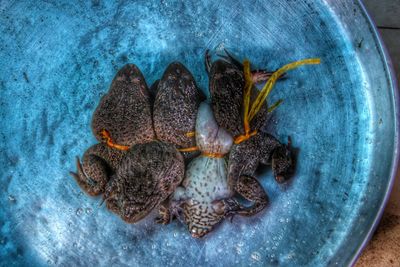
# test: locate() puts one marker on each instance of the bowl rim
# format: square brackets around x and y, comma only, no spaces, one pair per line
[396,148]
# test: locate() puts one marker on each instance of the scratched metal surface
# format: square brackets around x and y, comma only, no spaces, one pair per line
[57,59]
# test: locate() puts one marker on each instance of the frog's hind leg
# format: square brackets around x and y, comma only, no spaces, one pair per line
[92,176]
[257,76]
[248,187]
[231,59]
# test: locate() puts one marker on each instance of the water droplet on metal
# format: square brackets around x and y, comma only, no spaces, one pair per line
[255,256]
[79,211]
[11,198]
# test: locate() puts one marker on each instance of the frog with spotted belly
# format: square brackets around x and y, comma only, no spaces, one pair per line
[204,195]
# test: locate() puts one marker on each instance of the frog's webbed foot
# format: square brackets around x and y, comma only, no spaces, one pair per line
[164,216]
[92,178]
[98,164]
[257,76]
[231,59]
[226,207]
[169,210]
[248,187]
[231,207]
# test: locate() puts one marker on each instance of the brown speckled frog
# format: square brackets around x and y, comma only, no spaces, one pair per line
[251,148]
[122,117]
[146,176]
[134,170]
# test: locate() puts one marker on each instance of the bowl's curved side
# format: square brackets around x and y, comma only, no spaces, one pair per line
[396,148]
[381,86]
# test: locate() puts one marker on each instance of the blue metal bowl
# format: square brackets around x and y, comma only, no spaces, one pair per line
[57,59]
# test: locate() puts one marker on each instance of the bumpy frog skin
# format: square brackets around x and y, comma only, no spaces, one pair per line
[226,84]
[137,180]
[147,175]
[99,162]
[244,160]
[125,112]
[177,99]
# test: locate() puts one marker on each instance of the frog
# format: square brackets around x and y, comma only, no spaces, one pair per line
[122,119]
[146,176]
[131,168]
[204,196]
[226,87]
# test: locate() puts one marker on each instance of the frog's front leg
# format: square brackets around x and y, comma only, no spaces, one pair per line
[171,207]
[164,213]
[249,188]
[227,207]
